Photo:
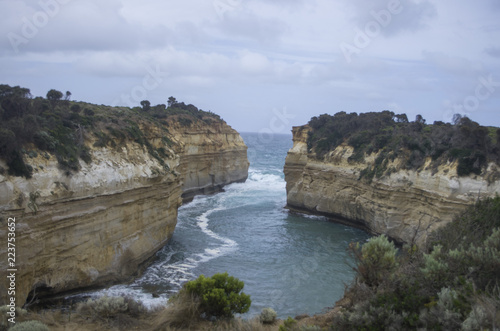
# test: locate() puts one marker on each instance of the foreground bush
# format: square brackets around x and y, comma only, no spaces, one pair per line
[376,259]
[454,285]
[106,308]
[219,296]
[268,316]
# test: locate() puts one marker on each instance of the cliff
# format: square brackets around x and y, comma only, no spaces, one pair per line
[210,158]
[104,222]
[405,204]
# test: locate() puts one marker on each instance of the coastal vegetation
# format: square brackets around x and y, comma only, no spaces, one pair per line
[218,296]
[452,284]
[57,127]
[392,136]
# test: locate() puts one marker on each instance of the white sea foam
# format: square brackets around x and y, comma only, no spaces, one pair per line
[165,271]
[134,292]
[259,181]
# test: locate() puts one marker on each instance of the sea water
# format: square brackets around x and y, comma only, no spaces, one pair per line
[296,264]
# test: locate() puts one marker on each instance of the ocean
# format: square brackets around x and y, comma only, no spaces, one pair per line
[296,264]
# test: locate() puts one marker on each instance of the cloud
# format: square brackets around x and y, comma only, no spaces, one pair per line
[454,65]
[407,15]
[493,51]
[254,63]
[284,51]
[78,26]
[248,26]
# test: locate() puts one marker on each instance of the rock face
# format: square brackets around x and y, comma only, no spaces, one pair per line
[406,205]
[104,223]
[211,157]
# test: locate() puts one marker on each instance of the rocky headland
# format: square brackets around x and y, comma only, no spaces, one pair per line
[369,178]
[92,221]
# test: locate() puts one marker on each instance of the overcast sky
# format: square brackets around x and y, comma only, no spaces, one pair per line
[264,66]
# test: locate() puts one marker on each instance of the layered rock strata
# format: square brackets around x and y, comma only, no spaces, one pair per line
[104,223]
[210,158]
[405,205]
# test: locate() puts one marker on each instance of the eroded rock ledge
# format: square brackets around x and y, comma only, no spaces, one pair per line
[104,223]
[406,205]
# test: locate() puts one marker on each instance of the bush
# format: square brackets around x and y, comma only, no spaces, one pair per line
[268,316]
[30,326]
[4,317]
[376,259]
[219,295]
[105,308]
[453,286]
[289,324]
[472,227]
[484,314]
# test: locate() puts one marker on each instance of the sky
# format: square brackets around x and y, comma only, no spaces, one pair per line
[264,66]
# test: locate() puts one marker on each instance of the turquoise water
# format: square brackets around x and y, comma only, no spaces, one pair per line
[293,263]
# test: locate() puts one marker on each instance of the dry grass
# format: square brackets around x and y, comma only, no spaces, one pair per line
[181,314]
[161,320]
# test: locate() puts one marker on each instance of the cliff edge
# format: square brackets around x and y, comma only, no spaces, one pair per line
[101,218]
[378,190]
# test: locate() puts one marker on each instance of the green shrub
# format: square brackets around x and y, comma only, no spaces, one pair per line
[30,326]
[219,295]
[268,316]
[445,313]
[485,313]
[376,259]
[289,324]
[453,286]
[471,227]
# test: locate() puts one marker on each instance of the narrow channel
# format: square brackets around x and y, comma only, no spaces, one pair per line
[296,264]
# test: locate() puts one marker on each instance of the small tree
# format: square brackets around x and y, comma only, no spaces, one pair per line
[419,119]
[171,101]
[219,295]
[54,95]
[67,96]
[146,105]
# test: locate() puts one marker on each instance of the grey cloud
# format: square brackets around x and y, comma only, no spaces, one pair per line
[248,26]
[414,16]
[493,51]
[452,64]
[81,26]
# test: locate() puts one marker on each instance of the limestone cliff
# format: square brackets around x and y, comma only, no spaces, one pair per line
[103,223]
[211,157]
[405,205]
